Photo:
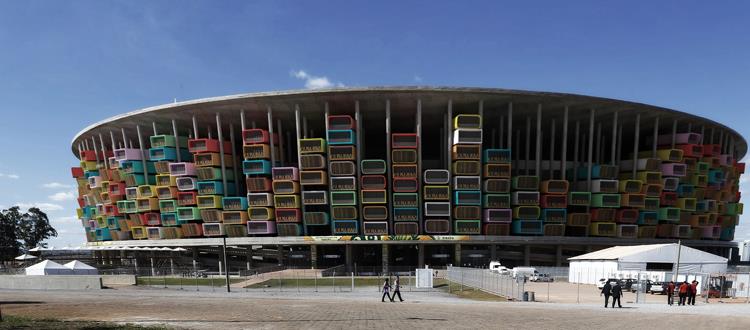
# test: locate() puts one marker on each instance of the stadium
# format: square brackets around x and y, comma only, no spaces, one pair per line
[402,177]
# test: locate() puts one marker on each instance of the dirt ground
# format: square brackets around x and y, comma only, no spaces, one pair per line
[357,310]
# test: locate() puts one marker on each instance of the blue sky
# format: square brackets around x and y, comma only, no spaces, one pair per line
[65,65]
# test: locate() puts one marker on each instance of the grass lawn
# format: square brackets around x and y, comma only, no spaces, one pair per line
[17,322]
[310,282]
[145,280]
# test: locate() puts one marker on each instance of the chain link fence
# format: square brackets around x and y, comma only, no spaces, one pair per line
[488,281]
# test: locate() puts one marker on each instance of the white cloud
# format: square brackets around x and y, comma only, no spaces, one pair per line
[46,207]
[56,185]
[9,176]
[63,196]
[315,82]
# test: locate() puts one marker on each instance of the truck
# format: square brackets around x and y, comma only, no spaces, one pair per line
[524,271]
[497,267]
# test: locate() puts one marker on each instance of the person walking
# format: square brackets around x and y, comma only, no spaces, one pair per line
[682,292]
[616,294]
[397,290]
[693,292]
[670,293]
[606,291]
[386,290]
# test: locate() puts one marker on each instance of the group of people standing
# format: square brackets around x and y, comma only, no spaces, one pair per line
[612,290]
[685,291]
[396,290]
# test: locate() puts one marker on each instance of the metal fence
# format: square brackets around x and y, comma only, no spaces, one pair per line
[483,279]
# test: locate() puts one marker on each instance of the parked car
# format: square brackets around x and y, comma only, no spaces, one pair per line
[627,283]
[658,287]
[541,277]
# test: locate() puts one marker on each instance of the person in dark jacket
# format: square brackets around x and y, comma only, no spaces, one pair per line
[606,291]
[616,294]
[397,289]
[692,292]
[670,293]
[386,289]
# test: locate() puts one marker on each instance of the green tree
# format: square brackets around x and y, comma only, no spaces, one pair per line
[9,244]
[23,230]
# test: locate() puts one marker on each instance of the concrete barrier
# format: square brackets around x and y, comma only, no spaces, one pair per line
[118,280]
[51,282]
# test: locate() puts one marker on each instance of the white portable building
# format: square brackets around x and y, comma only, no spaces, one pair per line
[80,268]
[48,267]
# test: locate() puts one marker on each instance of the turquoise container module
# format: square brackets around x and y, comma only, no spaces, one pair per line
[605,200]
[685,190]
[715,176]
[213,187]
[727,234]
[496,156]
[701,206]
[170,219]
[345,227]
[256,167]
[733,208]
[136,167]
[113,223]
[234,203]
[669,214]
[316,218]
[467,197]
[167,205]
[496,201]
[89,174]
[188,214]
[527,227]
[405,214]
[343,198]
[89,212]
[341,137]
[103,234]
[168,141]
[555,215]
[648,218]
[168,154]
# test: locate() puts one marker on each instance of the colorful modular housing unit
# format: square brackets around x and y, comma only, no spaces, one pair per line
[408,161]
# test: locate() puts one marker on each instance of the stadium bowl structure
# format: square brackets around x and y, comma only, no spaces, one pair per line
[526,177]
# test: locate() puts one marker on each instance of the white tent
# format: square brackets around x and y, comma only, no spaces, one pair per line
[25,257]
[612,262]
[80,268]
[48,267]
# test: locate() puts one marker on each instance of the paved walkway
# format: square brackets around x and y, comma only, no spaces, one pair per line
[291,310]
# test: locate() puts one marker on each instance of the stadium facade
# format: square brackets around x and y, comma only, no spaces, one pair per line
[408,176]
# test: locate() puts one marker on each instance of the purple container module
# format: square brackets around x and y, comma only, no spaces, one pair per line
[285,173]
[673,169]
[128,154]
[182,169]
[498,215]
[725,160]
[261,227]
[682,138]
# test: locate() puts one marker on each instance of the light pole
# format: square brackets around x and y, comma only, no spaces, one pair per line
[226,265]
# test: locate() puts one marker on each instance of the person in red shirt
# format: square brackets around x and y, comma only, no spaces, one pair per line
[670,293]
[683,292]
[692,292]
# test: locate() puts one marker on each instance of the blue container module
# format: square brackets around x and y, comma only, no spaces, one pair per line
[527,227]
[213,187]
[234,203]
[168,154]
[345,227]
[554,215]
[496,156]
[341,137]
[467,197]
[103,234]
[256,167]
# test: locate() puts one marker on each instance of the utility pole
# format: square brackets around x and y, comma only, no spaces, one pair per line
[677,268]
[226,265]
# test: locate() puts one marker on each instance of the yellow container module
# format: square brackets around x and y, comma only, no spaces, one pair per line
[607,229]
[501,171]
[312,146]
[166,192]
[437,193]
[147,191]
[147,204]
[467,121]
[686,204]
[630,186]
[285,187]
[138,232]
[467,167]
[209,201]
[234,217]
[286,201]
[260,213]
[166,180]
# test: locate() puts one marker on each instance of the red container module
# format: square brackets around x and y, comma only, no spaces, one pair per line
[711,150]
[373,182]
[405,185]
[668,198]
[76,172]
[258,136]
[288,215]
[341,122]
[150,219]
[81,202]
[208,145]
[187,198]
[691,150]
[404,141]
[740,167]
[258,184]
[111,210]
[627,216]
[116,189]
[554,201]
[603,215]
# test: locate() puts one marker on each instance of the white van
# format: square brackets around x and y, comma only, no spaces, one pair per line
[496,267]
[524,271]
